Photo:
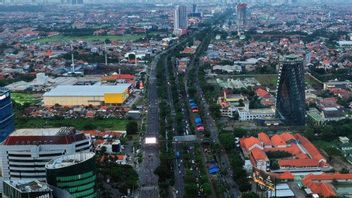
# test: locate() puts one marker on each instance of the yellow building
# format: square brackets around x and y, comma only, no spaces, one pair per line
[74,95]
[233,97]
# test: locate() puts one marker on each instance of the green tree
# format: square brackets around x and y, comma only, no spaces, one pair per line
[132,127]
[89,126]
[215,110]
[227,140]
[250,195]
[278,154]
[131,56]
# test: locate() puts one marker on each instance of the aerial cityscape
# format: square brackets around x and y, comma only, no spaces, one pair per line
[173,99]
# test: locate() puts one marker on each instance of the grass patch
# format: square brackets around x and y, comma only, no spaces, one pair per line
[24,98]
[267,80]
[270,80]
[329,147]
[79,123]
[323,144]
[57,38]
[313,82]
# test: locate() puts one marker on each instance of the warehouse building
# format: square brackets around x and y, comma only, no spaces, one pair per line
[75,95]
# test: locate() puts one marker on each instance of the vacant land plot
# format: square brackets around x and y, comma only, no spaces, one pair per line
[24,98]
[270,80]
[334,156]
[313,82]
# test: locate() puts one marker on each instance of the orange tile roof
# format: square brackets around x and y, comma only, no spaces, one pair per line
[262,93]
[188,50]
[287,136]
[293,149]
[118,77]
[264,138]
[312,150]
[247,143]
[298,163]
[284,176]
[324,188]
[327,190]
[329,176]
[276,140]
[259,154]
[120,157]
[99,141]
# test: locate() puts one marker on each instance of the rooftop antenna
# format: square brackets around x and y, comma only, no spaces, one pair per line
[72,59]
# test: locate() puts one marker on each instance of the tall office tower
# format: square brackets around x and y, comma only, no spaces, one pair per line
[7,122]
[241,14]
[194,8]
[75,174]
[290,97]
[180,17]
[25,152]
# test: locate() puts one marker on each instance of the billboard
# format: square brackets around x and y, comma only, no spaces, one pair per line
[150,140]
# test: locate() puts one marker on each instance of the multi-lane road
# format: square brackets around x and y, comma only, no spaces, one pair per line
[148,180]
[178,165]
[212,128]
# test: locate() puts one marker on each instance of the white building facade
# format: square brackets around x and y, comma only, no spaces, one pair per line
[24,153]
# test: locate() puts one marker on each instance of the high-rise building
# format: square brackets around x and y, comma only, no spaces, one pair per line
[25,152]
[241,14]
[180,18]
[75,174]
[194,8]
[7,123]
[290,97]
[74,2]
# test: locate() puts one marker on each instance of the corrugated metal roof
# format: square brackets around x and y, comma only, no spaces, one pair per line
[86,90]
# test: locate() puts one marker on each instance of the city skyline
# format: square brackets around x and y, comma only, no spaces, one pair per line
[154,98]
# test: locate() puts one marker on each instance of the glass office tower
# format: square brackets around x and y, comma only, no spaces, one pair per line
[290,97]
[7,122]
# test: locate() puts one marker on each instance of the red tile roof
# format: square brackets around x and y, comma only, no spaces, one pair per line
[30,140]
[329,176]
[264,138]
[287,136]
[262,93]
[293,149]
[312,150]
[247,143]
[259,154]
[284,176]
[188,50]
[119,77]
[121,157]
[319,183]
[276,140]
[298,163]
